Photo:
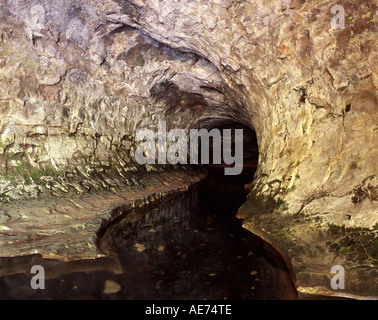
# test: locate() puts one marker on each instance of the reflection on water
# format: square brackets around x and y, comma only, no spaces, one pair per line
[183,250]
[189,247]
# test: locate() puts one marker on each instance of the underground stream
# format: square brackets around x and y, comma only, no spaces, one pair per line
[190,246]
[180,249]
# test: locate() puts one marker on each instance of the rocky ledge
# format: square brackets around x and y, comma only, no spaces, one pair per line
[66,228]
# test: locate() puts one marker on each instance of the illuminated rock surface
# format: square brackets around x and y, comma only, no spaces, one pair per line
[78,79]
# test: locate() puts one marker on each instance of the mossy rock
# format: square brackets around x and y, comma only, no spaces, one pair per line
[360,244]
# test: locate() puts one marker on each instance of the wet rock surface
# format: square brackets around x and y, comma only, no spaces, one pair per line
[65,228]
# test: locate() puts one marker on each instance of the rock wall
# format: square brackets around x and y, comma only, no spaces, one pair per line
[75,87]
[78,78]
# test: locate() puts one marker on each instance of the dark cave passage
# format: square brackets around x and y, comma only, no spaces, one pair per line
[220,189]
[191,246]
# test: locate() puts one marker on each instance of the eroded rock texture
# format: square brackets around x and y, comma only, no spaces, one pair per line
[79,77]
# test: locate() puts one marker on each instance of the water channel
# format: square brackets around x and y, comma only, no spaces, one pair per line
[190,246]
